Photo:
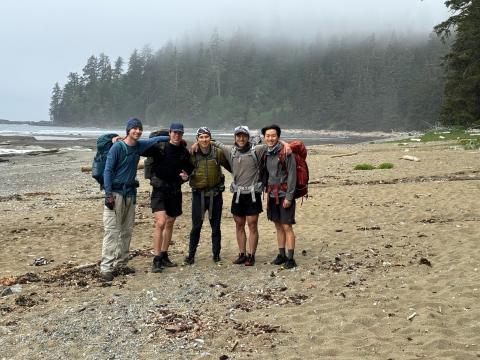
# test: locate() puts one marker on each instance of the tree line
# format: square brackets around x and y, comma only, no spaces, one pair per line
[370,83]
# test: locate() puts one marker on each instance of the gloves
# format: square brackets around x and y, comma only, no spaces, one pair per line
[109,201]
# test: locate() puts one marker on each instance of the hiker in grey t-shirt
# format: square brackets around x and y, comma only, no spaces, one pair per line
[247,187]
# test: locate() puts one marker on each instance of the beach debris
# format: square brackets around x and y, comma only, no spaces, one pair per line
[410,158]
[363,228]
[346,154]
[123,270]
[425,261]
[7,291]
[22,279]
[17,288]
[26,301]
[234,346]
[304,252]
[41,261]
[411,316]
[223,357]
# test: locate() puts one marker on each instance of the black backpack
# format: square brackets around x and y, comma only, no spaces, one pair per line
[148,163]
[104,144]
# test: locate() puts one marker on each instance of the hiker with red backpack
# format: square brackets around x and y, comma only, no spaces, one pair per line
[281,171]
[119,181]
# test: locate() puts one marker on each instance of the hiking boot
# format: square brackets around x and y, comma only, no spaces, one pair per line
[167,263]
[106,275]
[250,260]
[279,260]
[157,267]
[216,258]
[240,260]
[189,260]
[290,264]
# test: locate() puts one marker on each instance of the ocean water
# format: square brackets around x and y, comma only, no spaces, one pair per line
[60,133]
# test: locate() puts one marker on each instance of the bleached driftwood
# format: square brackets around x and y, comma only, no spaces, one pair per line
[410,157]
[342,155]
[88,168]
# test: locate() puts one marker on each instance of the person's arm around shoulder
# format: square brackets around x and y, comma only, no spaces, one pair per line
[147,147]
[223,160]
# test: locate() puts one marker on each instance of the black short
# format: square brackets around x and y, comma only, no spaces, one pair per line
[246,206]
[278,214]
[168,200]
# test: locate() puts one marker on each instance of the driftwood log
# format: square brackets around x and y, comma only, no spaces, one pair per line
[410,158]
[342,155]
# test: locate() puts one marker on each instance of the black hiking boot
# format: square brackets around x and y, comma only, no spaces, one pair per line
[189,260]
[157,265]
[216,258]
[290,264]
[279,260]
[166,262]
[250,260]
[240,260]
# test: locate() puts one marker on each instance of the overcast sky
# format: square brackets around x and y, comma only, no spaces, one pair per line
[42,41]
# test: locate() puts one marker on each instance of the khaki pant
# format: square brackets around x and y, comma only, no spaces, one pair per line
[118,227]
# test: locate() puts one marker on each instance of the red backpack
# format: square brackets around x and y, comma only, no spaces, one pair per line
[300,152]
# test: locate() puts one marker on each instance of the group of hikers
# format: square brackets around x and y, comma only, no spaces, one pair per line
[268,166]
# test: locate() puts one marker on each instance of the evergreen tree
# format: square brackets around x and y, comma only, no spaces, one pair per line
[461,104]
[55,104]
[375,83]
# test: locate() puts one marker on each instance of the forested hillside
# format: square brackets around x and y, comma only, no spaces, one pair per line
[364,84]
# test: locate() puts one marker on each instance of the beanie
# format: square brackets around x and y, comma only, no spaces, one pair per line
[134,123]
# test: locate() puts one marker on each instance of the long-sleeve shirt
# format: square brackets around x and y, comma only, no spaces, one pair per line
[119,174]
[277,174]
[169,161]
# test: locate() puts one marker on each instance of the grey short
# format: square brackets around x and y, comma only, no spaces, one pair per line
[278,214]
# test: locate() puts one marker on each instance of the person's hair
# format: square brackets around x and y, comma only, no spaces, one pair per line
[270,127]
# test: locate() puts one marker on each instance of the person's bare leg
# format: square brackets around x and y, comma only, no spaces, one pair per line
[160,218]
[240,232]
[168,232]
[252,222]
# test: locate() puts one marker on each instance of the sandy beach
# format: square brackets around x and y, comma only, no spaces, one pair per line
[388,267]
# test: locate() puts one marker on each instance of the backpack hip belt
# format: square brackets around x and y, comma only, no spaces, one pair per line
[252,189]
[275,188]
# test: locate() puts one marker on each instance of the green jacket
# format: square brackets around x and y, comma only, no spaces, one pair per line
[207,173]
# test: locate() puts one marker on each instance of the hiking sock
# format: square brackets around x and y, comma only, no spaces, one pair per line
[290,253]
[162,254]
[281,251]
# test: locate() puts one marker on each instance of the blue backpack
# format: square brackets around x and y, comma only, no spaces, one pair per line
[104,144]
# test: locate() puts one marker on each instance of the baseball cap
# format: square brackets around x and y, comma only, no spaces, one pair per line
[178,127]
[242,129]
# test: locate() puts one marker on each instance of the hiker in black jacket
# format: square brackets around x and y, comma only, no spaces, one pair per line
[171,167]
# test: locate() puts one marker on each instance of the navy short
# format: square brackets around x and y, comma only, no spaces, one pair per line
[245,206]
[278,214]
[168,200]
